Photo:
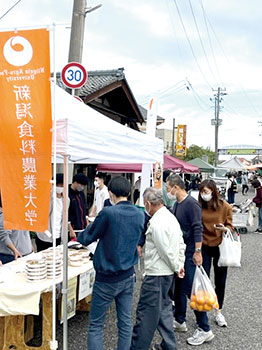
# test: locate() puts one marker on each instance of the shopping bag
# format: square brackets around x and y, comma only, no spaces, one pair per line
[203,296]
[230,251]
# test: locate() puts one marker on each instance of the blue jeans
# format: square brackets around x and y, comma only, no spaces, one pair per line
[102,297]
[154,311]
[260,218]
[220,272]
[183,288]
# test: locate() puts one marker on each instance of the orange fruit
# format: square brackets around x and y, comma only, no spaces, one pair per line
[193,297]
[193,305]
[216,306]
[201,300]
[207,307]
[210,300]
[200,307]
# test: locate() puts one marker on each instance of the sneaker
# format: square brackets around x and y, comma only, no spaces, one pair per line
[220,320]
[179,327]
[156,347]
[200,337]
[258,230]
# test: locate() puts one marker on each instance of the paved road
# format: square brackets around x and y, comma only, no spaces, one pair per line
[242,309]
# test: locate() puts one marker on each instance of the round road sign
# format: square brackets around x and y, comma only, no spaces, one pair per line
[74,75]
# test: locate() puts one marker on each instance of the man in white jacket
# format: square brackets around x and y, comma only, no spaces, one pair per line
[164,256]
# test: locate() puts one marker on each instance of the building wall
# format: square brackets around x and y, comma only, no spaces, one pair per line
[166,135]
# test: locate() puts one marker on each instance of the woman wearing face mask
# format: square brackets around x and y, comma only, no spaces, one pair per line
[217,218]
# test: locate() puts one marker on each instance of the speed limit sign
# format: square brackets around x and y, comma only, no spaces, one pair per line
[74,75]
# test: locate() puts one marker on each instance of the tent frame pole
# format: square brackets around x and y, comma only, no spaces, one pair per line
[65,255]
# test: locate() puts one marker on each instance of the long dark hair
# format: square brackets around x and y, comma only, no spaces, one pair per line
[216,200]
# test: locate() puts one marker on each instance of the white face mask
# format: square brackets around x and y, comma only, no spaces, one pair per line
[147,212]
[206,197]
[171,196]
[59,190]
[80,188]
[96,184]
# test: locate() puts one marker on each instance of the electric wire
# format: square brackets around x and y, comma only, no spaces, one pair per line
[223,51]
[176,39]
[210,43]
[201,41]
[10,9]
[190,45]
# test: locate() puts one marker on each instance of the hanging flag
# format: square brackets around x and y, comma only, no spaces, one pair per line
[25,128]
[181,141]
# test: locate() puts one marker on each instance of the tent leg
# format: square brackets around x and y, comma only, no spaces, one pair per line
[65,255]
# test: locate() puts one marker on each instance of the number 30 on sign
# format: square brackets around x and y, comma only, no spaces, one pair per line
[73,75]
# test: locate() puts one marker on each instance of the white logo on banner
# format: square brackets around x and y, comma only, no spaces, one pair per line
[18,51]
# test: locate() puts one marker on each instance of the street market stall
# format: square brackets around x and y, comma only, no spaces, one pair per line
[204,167]
[170,163]
[85,136]
[232,165]
[82,135]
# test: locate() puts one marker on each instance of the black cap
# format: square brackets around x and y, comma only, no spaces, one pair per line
[80,178]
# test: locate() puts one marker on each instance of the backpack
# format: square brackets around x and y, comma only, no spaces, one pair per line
[233,186]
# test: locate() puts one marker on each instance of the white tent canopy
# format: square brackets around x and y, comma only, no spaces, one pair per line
[85,136]
[232,164]
[89,137]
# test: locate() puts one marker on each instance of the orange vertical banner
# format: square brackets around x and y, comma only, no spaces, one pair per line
[25,128]
[181,140]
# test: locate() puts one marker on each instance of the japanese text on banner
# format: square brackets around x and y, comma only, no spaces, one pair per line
[26,139]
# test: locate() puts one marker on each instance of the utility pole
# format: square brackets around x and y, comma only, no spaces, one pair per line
[217,122]
[77,31]
[217,102]
[173,137]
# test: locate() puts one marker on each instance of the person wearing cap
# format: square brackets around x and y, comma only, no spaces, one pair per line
[77,207]
[44,240]
[101,194]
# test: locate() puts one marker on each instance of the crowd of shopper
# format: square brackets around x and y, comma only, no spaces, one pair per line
[174,234]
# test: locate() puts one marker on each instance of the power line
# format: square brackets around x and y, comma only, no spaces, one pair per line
[223,51]
[210,42]
[190,45]
[176,39]
[201,41]
[9,9]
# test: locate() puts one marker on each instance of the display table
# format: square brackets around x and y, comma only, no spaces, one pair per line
[18,298]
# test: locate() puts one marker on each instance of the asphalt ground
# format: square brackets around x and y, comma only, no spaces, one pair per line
[242,307]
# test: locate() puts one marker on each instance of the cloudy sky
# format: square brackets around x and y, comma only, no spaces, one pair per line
[166,47]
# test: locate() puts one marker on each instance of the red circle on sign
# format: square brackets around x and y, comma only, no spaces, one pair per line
[74,75]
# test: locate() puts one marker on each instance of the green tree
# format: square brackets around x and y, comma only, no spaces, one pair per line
[195,151]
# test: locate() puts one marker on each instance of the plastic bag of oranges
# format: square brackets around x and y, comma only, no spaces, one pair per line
[203,296]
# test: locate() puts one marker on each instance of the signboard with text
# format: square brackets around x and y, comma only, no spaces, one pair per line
[26,122]
[181,140]
[240,152]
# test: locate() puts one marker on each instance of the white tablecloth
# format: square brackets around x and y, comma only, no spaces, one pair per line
[20,297]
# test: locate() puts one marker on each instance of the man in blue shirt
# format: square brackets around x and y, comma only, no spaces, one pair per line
[118,229]
[188,212]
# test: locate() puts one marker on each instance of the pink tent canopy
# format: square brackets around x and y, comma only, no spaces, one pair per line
[170,163]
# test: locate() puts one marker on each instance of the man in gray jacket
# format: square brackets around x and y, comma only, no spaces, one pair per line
[164,256]
[13,243]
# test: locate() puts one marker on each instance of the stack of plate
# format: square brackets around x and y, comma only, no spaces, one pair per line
[58,266]
[36,270]
[85,256]
[75,259]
